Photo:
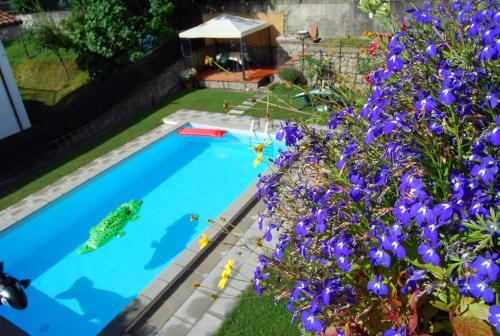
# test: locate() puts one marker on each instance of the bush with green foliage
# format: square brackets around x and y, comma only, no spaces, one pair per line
[108,34]
[26,6]
[388,220]
[290,74]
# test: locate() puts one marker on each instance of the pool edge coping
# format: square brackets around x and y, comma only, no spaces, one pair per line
[139,306]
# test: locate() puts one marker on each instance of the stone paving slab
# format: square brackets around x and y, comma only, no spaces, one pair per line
[206,315]
[236,112]
[242,107]
[206,326]
[175,327]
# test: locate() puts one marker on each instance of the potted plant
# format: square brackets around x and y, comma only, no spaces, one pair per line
[187,76]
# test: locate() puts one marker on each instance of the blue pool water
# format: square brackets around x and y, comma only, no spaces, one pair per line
[176,177]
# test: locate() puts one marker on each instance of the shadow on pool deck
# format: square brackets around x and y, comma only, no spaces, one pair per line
[172,242]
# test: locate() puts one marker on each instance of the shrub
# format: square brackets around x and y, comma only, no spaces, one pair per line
[188,74]
[107,34]
[388,221]
[290,74]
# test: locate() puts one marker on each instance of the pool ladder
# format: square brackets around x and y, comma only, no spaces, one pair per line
[266,127]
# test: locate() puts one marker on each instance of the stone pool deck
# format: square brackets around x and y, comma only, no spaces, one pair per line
[193,311]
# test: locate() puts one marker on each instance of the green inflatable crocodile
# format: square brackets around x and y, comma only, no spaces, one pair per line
[111,226]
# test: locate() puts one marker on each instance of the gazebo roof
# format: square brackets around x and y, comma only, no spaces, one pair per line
[225,26]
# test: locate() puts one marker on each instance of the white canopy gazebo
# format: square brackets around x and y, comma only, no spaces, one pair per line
[226,26]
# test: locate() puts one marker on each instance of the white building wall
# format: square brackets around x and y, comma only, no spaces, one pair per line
[13,116]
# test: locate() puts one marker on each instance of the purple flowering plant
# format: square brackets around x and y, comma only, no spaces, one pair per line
[388,219]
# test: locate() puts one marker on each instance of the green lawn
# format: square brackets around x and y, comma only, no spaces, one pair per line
[39,75]
[205,100]
[282,105]
[258,316]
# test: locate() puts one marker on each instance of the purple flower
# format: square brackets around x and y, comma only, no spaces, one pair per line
[444,211]
[436,127]
[268,235]
[426,105]
[302,287]
[377,287]
[396,121]
[311,322]
[431,233]
[429,255]
[479,289]
[396,332]
[302,227]
[379,257]
[343,263]
[494,317]
[393,243]
[278,252]
[402,213]
[394,63]
[492,98]
[486,266]
[431,50]
[486,170]
[381,176]
[413,277]
[495,134]
[446,96]
[258,278]
[421,212]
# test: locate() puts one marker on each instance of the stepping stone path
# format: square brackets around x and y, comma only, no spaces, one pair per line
[247,104]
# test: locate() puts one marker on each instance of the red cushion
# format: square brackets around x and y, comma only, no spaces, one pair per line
[216,133]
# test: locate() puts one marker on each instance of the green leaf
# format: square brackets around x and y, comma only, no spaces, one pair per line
[479,311]
[440,305]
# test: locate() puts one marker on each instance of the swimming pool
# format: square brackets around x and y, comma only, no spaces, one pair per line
[176,177]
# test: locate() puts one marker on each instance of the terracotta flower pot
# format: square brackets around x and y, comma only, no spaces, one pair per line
[188,85]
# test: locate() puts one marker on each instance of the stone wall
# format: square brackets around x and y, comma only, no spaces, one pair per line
[30,19]
[13,32]
[347,61]
[335,18]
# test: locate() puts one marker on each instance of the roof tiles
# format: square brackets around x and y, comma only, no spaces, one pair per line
[7,19]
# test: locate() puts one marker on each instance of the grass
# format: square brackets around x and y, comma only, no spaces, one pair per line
[283,98]
[258,316]
[205,100]
[39,75]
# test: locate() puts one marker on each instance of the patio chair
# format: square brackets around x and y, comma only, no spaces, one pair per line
[224,61]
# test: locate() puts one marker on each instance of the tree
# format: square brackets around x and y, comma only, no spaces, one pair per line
[110,33]
[46,34]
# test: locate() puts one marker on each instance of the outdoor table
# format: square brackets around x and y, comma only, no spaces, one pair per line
[234,56]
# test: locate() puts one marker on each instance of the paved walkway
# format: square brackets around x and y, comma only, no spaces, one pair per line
[193,311]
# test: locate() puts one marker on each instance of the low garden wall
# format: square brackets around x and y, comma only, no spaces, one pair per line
[348,61]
